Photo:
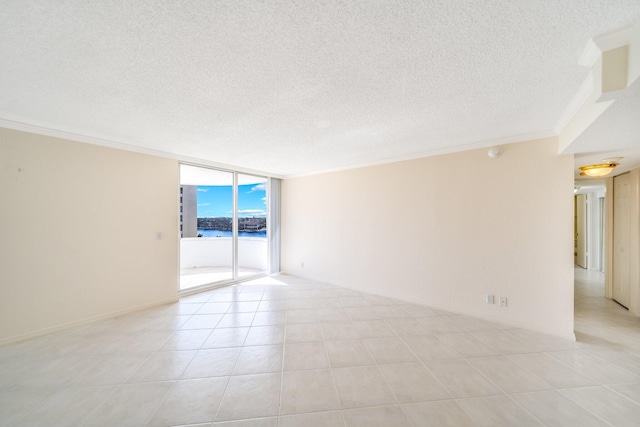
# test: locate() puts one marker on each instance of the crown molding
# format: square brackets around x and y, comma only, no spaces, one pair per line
[590,54]
[603,43]
[614,39]
[88,139]
[585,91]
[438,152]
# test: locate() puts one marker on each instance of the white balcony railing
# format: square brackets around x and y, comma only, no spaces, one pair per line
[198,252]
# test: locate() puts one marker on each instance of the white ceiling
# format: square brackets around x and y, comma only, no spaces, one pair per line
[193,175]
[294,87]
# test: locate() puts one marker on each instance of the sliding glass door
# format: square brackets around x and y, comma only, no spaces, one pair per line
[223,226]
[252,225]
[206,226]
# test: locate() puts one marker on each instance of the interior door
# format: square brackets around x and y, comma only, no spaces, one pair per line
[581,230]
[621,239]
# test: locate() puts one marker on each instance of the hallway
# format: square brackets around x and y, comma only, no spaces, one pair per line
[602,326]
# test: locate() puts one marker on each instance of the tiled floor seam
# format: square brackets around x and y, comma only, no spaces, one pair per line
[420,361]
[284,355]
[226,387]
[613,362]
[159,404]
[546,353]
[510,396]
[333,378]
[585,407]
[457,401]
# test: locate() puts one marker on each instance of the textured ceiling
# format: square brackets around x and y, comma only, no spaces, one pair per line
[290,87]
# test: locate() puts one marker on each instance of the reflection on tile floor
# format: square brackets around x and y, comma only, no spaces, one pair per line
[285,352]
[198,276]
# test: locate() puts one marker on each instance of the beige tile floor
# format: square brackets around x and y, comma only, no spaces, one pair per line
[289,352]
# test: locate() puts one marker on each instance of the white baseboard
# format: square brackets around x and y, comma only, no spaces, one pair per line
[571,336]
[85,321]
[568,336]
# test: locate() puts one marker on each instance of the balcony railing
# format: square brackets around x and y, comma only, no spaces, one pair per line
[199,252]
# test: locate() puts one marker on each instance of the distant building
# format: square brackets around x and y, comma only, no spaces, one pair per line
[188,211]
[251,225]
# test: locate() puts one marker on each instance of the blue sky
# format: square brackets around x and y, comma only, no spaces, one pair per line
[217,201]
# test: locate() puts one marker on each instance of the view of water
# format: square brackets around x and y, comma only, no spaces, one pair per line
[220,233]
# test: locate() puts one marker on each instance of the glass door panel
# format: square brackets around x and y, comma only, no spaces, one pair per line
[252,225]
[206,226]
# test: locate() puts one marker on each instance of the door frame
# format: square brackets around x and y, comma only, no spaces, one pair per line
[235,277]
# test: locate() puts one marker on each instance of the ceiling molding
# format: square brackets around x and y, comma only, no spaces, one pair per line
[604,43]
[614,39]
[585,91]
[448,150]
[87,139]
[585,102]
[590,54]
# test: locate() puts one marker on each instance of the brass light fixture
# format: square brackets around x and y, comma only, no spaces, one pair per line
[601,169]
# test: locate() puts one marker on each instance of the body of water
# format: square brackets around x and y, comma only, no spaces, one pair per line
[220,233]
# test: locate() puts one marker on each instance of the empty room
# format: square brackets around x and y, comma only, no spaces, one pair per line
[319,213]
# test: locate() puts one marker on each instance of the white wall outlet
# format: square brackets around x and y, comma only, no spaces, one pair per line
[489,299]
[302,265]
[503,301]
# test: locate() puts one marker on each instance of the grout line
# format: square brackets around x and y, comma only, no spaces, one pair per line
[510,396]
[457,402]
[584,407]
[608,387]
[284,354]
[333,378]
[160,401]
[226,387]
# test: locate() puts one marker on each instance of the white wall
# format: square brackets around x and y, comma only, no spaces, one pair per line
[445,231]
[78,230]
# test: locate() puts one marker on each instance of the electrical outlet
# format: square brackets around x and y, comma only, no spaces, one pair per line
[302,264]
[503,301]
[489,299]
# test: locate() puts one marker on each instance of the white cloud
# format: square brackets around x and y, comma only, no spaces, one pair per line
[253,212]
[264,199]
[259,187]
[203,204]
[204,190]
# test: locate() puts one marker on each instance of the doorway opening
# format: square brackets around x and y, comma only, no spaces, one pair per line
[589,234]
[589,226]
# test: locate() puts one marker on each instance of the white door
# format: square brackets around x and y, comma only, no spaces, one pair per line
[581,230]
[621,240]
